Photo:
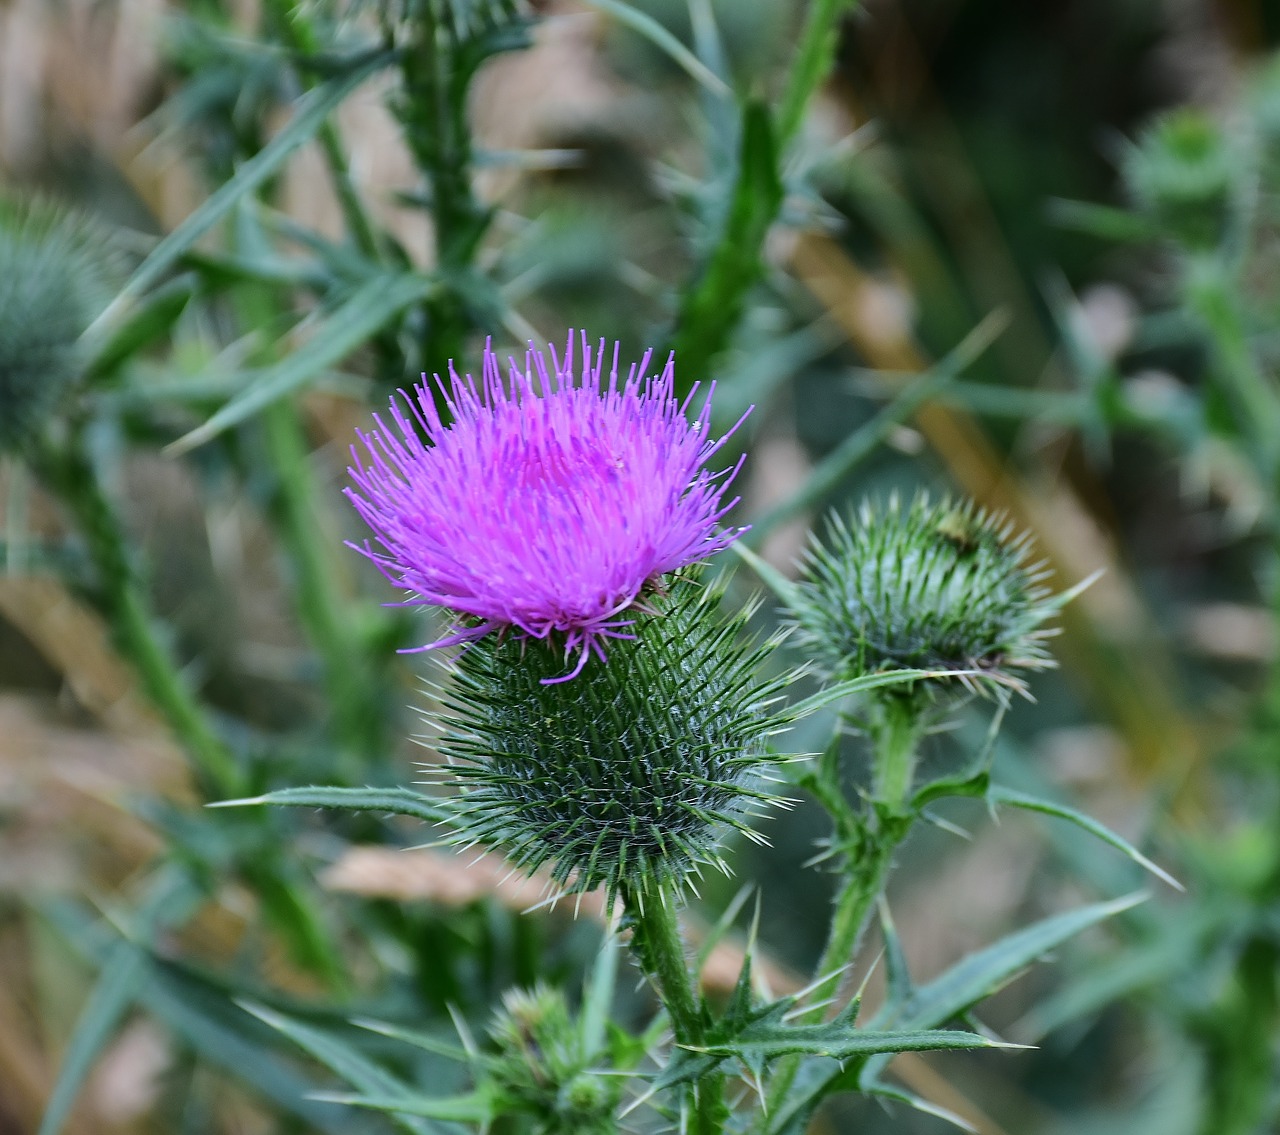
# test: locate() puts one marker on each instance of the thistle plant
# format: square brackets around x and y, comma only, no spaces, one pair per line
[566,512]
[605,717]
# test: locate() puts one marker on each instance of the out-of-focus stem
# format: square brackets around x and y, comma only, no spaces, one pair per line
[348,676]
[67,472]
[296,30]
[814,57]
[437,78]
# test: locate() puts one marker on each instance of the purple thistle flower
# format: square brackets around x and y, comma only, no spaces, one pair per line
[547,503]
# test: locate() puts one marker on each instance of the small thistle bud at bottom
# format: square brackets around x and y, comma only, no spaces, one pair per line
[542,1072]
[630,771]
[937,586]
[54,272]
[1183,172]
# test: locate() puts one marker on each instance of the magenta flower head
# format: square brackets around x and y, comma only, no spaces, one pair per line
[545,504]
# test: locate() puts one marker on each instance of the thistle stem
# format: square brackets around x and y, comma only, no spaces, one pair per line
[895,736]
[655,938]
[658,946]
[437,70]
[868,842]
[68,473]
[350,681]
[869,847]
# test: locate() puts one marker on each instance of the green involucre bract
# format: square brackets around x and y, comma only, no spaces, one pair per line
[630,771]
[55,274]
[936,586]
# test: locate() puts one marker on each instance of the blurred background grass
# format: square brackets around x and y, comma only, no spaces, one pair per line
[924,195]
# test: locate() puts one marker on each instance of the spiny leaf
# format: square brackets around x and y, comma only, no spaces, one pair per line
[998,795]
[353,1066]
[982,973]
[843,1041]
[390,801]
[370,308]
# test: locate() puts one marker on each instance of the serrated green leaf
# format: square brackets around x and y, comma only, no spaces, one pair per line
[837,691]
[1173,949]
[424,1041]
[338,1056]
[369,308]
[391,801]
[982,973]
[474,1107]
[901,1095]
[1015,799]
[841,1041]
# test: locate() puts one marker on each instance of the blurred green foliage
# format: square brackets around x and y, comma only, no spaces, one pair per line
[964,158]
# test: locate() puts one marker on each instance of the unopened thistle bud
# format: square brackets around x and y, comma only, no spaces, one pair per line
[55,270]
[936,586]
[629,773]
[541,1070]
[1183,172]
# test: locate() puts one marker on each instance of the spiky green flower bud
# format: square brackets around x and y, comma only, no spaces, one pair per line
[542,1071]
[631,771]
[936,586]
[54,280]
[1183,172]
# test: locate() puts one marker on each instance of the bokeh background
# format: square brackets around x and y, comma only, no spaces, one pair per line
[964,167]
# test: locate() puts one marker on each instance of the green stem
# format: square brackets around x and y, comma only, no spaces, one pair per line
[67,473]
[869,848]
[895,733]
[437,69]
[298,33]
[868,843]
[814,57]
[658,946]
[352,686]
